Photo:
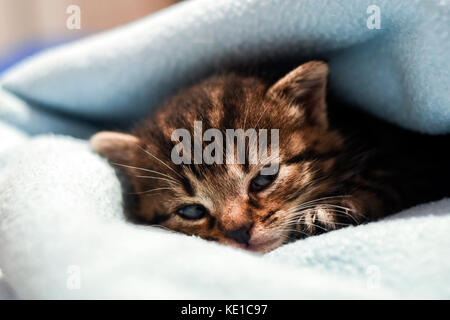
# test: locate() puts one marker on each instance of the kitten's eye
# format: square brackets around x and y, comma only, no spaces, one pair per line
[192,212]
[261,181]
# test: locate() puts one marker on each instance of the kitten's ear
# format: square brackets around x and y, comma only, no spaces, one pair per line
[305,88]
[115,146]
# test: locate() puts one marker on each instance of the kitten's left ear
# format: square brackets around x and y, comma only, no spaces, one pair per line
[115,146]
[305,88]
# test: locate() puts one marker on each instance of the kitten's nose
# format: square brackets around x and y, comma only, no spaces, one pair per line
[241,235]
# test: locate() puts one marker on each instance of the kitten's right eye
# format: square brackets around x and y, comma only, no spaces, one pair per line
[260,182]
[194,211]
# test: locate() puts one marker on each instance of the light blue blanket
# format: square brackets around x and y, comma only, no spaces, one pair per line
[399,72]
[62,233]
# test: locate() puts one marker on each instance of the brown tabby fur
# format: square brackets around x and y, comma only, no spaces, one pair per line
[332,174]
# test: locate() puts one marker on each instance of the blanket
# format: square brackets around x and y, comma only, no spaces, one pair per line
[62,231]
[63,235]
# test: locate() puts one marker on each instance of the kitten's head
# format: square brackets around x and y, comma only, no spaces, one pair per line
[235,204]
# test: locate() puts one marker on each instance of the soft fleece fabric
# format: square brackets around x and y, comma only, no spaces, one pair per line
[400,72]
[60,204]
[65,210]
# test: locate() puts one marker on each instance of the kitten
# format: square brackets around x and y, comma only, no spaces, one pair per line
[336,167]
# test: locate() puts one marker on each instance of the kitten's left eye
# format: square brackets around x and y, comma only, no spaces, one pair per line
[192,212]
[261,181]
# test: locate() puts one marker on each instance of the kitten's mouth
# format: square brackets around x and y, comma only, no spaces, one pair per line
[263,246]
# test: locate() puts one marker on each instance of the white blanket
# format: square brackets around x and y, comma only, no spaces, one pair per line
[62,235]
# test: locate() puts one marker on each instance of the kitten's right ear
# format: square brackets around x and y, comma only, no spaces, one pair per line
[115,146]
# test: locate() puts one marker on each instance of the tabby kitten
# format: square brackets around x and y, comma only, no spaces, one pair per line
[336,167]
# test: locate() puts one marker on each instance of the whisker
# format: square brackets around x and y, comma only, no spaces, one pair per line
[329,208]
[334,222]
[297,215]
[327,198]
[262,113]
[296,221]
[289,231]
[309,224]
[158,178]
[245,118]
[148,191]
[162,162]
[143,169]
[318,204]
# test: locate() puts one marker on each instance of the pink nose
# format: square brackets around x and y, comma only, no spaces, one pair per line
[241,235]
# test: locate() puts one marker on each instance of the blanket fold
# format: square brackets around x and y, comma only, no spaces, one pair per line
[399,72]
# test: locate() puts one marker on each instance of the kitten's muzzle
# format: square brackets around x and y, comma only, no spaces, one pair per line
[241,235]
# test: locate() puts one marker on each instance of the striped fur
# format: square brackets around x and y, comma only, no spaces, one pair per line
[332,174]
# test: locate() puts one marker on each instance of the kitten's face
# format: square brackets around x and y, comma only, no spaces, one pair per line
[233,203]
